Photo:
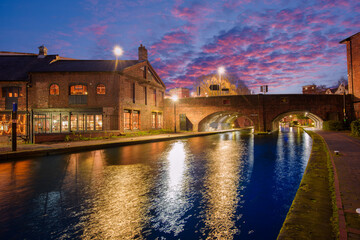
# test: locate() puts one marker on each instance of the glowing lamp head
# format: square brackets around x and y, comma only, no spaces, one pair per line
[118,51]
[174,98]
[221,70]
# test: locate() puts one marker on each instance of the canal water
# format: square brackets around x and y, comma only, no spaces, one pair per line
[224,186]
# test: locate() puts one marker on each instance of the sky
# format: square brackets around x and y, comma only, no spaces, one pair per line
[284,44]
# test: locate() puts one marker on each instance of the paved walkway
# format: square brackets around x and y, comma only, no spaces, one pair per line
[347,180]
[27,150]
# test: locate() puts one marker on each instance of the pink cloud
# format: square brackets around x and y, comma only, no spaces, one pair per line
[97,29]
[192,14]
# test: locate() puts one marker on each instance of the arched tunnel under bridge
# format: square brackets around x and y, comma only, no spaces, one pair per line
[318,122]
[224,120]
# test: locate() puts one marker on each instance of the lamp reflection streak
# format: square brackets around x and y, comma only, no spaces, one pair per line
[172,204]
[222,181]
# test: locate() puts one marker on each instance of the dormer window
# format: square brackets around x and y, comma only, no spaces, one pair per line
[78,89]
[100,89]
[54,89]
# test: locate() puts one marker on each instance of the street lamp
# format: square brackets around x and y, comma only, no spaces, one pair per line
[221,70]
[174,98]
[118,51]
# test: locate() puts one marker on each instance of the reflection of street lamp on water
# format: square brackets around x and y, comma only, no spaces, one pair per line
[174,98]
[221,70]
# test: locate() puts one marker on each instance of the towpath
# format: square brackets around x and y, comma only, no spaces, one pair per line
[347,180]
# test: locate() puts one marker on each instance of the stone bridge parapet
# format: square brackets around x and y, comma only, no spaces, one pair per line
[263,110]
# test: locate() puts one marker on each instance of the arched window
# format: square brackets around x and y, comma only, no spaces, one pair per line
[78,90]
[100,89]
[54,89]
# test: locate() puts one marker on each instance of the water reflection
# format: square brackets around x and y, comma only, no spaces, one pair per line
[172,203]
[221,186]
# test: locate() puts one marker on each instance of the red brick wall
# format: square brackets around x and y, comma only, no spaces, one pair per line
[353,63]
[118,97]
[262,110]
[21,98]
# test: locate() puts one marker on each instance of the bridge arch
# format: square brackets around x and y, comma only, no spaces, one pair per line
[318,122]
[222,120]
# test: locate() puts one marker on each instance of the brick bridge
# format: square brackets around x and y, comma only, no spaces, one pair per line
[263,111]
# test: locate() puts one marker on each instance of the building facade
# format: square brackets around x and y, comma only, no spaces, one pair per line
[309,89]
[63,96]
[180,92]
[353,65]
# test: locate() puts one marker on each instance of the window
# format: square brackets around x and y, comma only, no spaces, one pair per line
[73,122]
[136,120]
[6,122]
[127,119]
[81,122]
[64,123]
[159,120]
[78,94]
[42,123]
[54,89]
[155,97]
[145,94]
[78,90]
[153,120]
[11,92]
[133,92]
[55,123]
[100,89]
[90,122]
[11,95]
[98,122]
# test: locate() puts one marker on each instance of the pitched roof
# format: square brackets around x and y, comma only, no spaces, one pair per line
[347,39]
[86,66]
[16,67]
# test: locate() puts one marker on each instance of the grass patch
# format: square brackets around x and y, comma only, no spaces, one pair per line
[79,137]
[313,213]
[146,133]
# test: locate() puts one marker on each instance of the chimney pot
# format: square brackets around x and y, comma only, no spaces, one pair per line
[42,51]
[143,55]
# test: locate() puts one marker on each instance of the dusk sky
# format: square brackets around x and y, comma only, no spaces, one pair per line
[283,44]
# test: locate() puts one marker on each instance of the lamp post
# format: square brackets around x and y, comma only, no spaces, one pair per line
[174,98]
[221,70]
[118,51]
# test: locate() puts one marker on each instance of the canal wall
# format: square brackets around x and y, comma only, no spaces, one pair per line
[35,150]
[313,213]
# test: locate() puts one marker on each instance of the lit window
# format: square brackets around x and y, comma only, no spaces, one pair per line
[78,90]
[54,89]
[153,120]
[159,120]
[127,119]
[98,122]
[90,122]
[100,89]
[136,120]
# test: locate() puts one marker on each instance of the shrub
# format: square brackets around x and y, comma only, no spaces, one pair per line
[67,138]
[333,125]
[355,128]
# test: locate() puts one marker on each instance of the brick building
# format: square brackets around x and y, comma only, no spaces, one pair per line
[58,96]
[353,64]
[309,89]
[180,92]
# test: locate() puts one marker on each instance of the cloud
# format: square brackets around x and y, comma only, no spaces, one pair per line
[96,29]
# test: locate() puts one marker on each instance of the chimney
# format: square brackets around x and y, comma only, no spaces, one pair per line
[142,53]
[42,51]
